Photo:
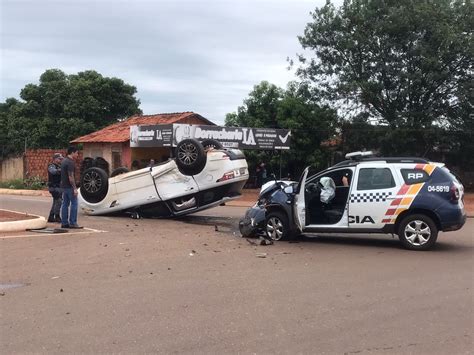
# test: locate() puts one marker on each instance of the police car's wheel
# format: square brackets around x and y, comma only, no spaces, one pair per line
[211,143]
[276,226]
[417,232]
[94,185]
[190,156]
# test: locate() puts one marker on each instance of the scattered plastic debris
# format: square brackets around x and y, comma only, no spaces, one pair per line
[265,241]
[261,255]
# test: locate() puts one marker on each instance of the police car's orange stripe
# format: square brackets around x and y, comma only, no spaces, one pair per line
[429,168]
[406,201]
[414,189]
[408,193]
[400,210]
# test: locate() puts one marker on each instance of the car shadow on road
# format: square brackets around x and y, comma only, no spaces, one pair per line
[220,224]
[375,243]
[349,241]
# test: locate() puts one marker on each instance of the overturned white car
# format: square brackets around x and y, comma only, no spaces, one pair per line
[200,176]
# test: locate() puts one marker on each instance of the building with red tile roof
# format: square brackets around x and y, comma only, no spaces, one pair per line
[113,142]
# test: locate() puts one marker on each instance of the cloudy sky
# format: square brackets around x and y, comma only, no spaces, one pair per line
[203,56]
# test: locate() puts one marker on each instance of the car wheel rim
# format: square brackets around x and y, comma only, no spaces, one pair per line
[274,228]
[92,182]
[417,233]
[187,154]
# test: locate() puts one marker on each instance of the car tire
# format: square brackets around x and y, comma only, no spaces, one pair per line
[94,185]
[417,232]
[119,171]
[212,143]
[276,226]
[190,157]
[86,163]
[101,163]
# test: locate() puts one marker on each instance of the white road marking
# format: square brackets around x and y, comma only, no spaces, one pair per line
[84,231]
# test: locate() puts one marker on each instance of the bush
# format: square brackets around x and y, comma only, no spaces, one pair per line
[13,184]
[33,183]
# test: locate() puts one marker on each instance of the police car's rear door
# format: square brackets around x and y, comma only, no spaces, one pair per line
[299,204]
[374,188]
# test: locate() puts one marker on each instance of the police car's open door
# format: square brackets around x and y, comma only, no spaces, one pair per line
[299,205]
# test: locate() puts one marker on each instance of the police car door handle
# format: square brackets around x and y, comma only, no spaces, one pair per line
[391,197]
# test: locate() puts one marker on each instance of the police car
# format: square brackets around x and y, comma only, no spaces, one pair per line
[411,197]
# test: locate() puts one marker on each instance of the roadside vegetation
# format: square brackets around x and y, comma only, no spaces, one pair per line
[393,76]
[33,183]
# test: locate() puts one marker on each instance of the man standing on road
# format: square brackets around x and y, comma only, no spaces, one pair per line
[68,184]
[54,187]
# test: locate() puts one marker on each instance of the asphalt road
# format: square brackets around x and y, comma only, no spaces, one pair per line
[181,286]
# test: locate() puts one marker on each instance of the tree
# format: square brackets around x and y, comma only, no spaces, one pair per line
[295,109]
[259,109]
[403,62]
[62,107]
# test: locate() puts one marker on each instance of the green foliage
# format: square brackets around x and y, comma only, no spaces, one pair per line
[295,109]
[33,183]
[405,63]
[63,107]
[16,184]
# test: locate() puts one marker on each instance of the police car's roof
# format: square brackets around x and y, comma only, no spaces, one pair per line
[408,160]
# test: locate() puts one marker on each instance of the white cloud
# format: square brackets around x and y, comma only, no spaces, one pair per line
[203,55]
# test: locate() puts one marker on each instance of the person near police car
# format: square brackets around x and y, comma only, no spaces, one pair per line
[68,184]
[54,187]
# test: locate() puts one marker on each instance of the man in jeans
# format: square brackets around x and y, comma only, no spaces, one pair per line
[68,184]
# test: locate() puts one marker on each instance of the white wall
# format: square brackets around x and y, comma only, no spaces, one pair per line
[12,168]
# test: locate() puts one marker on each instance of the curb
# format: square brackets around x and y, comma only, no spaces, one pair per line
[24,192]
[21,225]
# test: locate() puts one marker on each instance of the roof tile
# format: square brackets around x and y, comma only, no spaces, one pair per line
[119,132]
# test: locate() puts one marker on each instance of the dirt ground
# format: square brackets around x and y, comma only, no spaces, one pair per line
[8,216]
[193,286]
[469,203]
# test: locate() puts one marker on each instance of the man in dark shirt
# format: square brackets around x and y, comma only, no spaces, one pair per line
[54,187]
[68,184]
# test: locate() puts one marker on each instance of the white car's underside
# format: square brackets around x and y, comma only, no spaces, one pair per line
[163,190]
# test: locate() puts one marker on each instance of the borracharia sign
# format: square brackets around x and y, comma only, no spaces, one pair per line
[230,137]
